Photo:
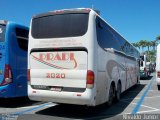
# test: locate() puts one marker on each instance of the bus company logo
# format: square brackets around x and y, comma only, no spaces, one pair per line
[56,57]
[57,60]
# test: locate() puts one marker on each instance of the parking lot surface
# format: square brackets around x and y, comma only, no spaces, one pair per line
[142,99]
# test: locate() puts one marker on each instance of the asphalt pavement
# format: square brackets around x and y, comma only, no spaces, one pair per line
[142,99]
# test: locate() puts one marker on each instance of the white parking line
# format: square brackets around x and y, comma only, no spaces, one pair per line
[148,90]
[154,90]
[141,105]
[26,107]
[143,112]
[153,97]
[148,111]
[50,105]
[139,98]
[150,107]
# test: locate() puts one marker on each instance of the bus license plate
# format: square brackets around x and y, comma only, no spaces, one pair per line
[59,89]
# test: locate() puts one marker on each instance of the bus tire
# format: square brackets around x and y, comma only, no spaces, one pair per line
[158,87]
[111,95]
[118,92]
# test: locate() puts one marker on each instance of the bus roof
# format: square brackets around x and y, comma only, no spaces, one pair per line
[5,22]
[64,11]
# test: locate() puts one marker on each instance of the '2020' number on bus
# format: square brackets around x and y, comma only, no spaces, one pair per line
[56,75]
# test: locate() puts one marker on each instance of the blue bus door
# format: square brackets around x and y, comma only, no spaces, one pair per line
[2,53]
[21,48]
[2,61]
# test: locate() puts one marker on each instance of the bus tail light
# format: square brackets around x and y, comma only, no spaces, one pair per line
[28,76]
[7,75]
[90,79]
[158,74]
[145,70]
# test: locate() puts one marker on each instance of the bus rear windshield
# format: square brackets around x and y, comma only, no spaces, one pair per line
[2,33]
[61,25]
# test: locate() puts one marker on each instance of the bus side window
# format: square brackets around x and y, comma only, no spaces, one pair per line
[104,35]
[22,38]
[99,24]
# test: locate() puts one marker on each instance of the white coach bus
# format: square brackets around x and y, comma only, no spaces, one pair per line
[75,57]
[158,67]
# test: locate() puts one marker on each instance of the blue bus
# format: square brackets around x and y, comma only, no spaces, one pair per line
[13,59]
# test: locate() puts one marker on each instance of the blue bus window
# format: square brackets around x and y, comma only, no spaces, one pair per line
[2,33]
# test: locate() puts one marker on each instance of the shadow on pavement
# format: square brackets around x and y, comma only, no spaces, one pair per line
[16,102]
[99,112]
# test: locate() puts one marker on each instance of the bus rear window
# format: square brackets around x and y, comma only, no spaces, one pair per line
[2,33]
[61,25]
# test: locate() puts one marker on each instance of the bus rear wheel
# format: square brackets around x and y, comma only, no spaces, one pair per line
[118,92]
[111,95]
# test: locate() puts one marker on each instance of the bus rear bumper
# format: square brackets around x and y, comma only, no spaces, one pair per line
[85,98]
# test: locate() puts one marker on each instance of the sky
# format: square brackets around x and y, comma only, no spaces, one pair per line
[135,20]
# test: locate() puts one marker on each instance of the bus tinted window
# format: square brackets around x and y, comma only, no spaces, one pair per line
[109,38]
[105,36]
[22,38]
[2,33]
[58,26]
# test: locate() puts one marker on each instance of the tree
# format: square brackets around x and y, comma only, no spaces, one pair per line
[137,45]
[157,38]
[154,44]
[143,43]
[148,44]
[150,52]
[152,56]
